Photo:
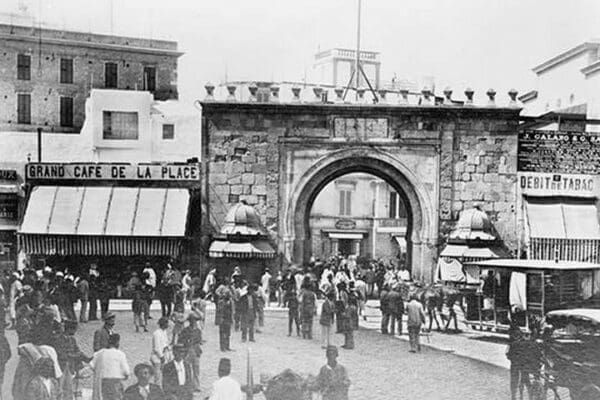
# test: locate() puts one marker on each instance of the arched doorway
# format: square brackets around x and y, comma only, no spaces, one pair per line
[422,215]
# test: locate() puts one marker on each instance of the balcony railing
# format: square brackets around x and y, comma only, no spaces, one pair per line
[587,250]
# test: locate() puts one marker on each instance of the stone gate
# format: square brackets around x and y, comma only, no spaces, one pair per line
[440,158]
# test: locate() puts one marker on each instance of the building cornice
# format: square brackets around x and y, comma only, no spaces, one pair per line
[563,57]
[590,69]
[531,95]
[91,45]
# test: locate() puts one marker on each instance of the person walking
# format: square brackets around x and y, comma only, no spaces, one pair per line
[396,310]
[384,306]
[143,389]
[110,371]
[248,311]
[326,319]
[43,385]
[83,287]
[290,300]
[265,285]
[161,349]
[102,335]
[341,303]
[333,382]
[416,319]
[191,338]
[350,322]
[70,357]
[139,308]
[177,376]
[93,297]
[104,293]
[308,308]
[225,388]
[16,291]
[225,320]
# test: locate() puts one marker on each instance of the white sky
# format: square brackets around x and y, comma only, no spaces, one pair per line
[477,43]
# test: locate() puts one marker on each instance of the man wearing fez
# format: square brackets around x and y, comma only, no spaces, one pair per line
[143,389]
[101,335]
[225,388]
[177,376]
[333,381]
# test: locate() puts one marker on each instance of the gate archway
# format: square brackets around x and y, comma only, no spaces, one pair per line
[422,217]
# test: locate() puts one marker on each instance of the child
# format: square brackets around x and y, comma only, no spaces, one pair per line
[140,312]
[225,321]
[291,302]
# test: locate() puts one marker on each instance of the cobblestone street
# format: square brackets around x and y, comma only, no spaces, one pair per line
[380,367]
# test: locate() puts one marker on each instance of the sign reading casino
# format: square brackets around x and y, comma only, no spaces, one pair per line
[125,172]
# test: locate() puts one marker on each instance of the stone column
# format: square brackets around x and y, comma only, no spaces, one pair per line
[334,247]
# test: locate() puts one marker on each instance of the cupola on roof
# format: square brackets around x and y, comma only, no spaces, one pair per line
[242,219]
[473,224]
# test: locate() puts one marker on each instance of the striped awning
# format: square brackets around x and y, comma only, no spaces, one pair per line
[104,220]
[251,249]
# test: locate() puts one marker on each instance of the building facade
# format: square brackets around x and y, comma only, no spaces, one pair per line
[47,75]
[359,214]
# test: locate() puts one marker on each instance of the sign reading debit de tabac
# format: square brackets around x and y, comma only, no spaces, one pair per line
[548,184]
[125,172]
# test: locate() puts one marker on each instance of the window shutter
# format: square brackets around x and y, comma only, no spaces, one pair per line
[348,202]
[342,198]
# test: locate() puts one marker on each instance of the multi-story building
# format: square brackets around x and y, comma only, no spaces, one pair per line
[359,214]
[46,75]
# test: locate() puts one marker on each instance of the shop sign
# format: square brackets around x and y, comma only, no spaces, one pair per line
[125,172]
[540,184]
[559,152]
[345,224]
[8,175]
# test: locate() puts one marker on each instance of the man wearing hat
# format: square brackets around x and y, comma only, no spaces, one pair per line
[177,376]
[191,338]
[333,381]
[110,371]
[225,388]
[70,357]
[101,335]
[143,389]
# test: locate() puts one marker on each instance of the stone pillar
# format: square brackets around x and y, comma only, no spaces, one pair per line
[334,247]
[357,247]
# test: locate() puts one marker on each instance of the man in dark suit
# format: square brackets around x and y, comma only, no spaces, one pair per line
[248,307]
[143,389]
[102,334]
[178,376]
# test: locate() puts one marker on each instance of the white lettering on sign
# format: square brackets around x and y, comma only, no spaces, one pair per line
[558,184]
[152,172]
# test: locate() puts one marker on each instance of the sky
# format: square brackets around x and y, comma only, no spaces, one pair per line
[461,43]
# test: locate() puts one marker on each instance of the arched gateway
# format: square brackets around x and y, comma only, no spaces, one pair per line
[440,159]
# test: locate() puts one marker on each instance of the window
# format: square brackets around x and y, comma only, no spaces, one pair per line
[66,111]
[24,108]
[110,75]
[66,70]
[23,67]
[396,206]
[168,131]
[119,125]
[345,202]
[150,79]
[8,206]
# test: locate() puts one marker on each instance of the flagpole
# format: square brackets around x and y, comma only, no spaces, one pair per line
[357,65]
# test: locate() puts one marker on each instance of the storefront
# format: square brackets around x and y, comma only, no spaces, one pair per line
[9,218]
[113,215]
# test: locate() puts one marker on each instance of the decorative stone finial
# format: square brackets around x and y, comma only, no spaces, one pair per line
[491,93]
[274,94]
[318,91]
[231,91]
[339,92]
[296,92]
[512,93]
[382,93]
[252,88]
[469,94]
[427,93]
[210,89]
[448,96]
[403,98]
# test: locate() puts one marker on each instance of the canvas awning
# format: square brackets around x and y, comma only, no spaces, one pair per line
[466,251]
[251,249]
[563,220]
[101,220]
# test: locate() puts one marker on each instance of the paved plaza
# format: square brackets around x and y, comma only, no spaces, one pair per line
[380,367]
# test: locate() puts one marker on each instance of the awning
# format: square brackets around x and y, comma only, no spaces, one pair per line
[353,236]
[466,251]
[104,220]
[401,240]
[9,189]
[251,249]
[563,220]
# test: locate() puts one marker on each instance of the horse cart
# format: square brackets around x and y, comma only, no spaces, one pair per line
[532,286]
[570,365]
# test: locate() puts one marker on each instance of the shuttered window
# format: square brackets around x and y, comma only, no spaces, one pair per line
[150,78]
[23,67]
[66,70]
[345,202]
[110,75]
[24,108]
[120,125]
[66,111]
